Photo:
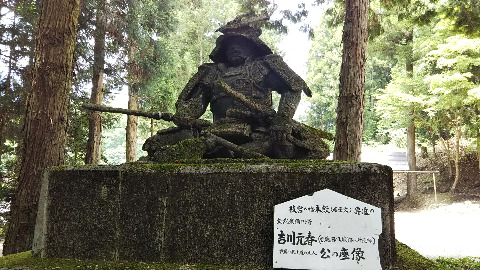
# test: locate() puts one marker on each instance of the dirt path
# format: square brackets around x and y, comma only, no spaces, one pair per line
[448,231]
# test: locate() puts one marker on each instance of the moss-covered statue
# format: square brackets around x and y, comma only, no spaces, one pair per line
[238,87]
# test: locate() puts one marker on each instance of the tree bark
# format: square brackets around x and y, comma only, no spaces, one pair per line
[132,126]
[46,117]
[450,155]
[134,76]
[478,150]
[93,153]
[412,161]
[3,124]
[4,112]
[8,83]
[200,42]
[411,153]
[349,123]
[458,136]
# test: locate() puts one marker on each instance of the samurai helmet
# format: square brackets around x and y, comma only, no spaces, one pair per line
[241,26]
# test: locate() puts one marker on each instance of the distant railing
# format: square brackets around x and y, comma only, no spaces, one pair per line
[420,172]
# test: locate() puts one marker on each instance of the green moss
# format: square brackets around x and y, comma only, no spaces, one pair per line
[186,149]
[180,154]
[409,259]
[291,165]
[242,165]
[237,161]
[26,260]
[320,134]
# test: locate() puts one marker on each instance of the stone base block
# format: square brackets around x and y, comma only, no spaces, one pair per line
[210,213]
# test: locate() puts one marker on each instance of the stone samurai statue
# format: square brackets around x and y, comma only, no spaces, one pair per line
[238,87]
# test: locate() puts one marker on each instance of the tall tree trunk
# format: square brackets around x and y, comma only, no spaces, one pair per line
[349,123]
[411,154]
[3,124]
[134,75]
[8,82]
[450,155]
[200,42]
[478,149]
[458,136]
[412,161]
[93,153]
[477,136]
[132,125]
[4,111]
[46,117]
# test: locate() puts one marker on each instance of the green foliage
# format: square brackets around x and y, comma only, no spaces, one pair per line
[114,143]
[323,74]
[259,6]
[77,129]
[8,165]
[113,148]
[436,88]
[399,97]
[135,54]
[376,77]
[440,93]
[451,73]
[18,21]
[147,23]
[464,16]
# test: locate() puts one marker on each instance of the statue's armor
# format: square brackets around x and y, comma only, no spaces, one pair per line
[255,79]
[248,80]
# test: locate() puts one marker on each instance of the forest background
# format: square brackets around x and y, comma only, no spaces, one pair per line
[422,83]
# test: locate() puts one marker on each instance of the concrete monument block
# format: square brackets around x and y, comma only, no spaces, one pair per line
[204,213]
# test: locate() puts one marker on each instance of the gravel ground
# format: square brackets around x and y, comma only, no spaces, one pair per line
[446,230]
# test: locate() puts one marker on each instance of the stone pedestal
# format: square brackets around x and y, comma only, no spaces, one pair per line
[205,213]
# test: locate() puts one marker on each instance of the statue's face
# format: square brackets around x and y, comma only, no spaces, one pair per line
[238,51]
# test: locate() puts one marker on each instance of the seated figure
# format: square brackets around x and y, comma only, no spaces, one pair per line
[238,87]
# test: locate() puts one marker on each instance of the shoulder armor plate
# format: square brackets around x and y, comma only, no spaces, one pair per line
[295,82]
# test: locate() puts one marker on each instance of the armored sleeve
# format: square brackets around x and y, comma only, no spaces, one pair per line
[288,77]
[191,87]
[195,96]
